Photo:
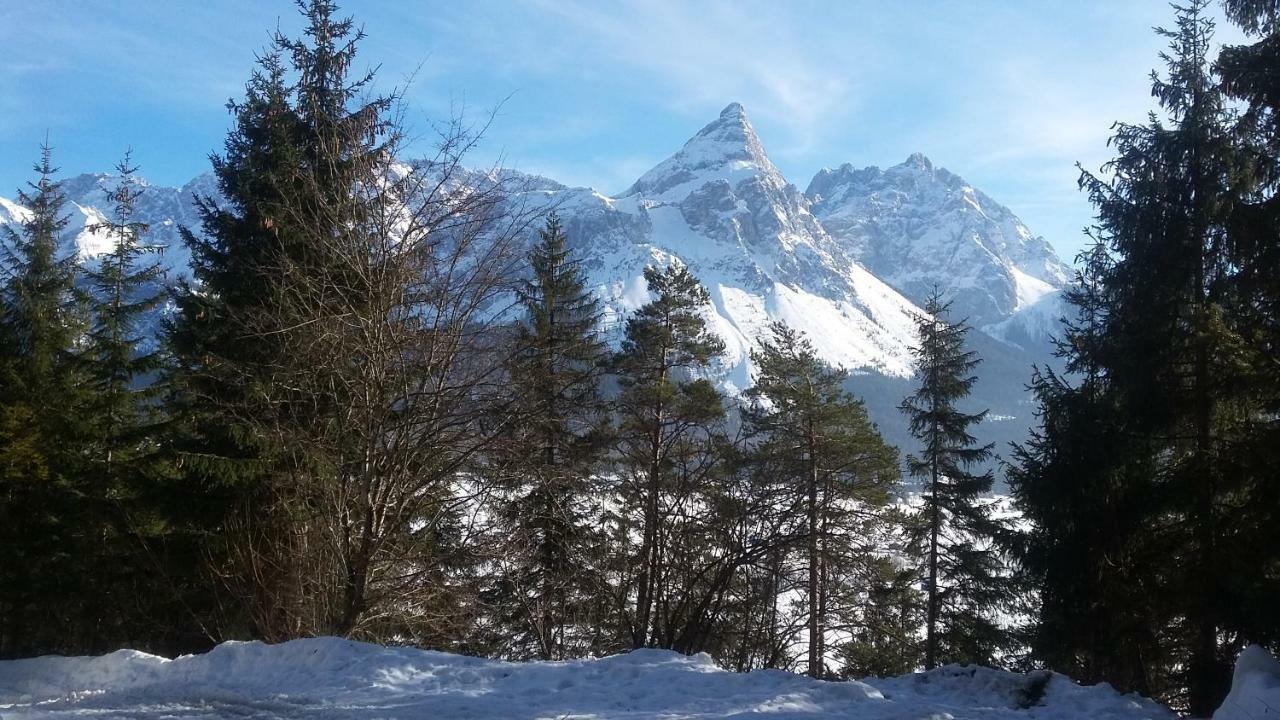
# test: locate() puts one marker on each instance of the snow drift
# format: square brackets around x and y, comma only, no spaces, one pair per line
[1255,687]
[332,678]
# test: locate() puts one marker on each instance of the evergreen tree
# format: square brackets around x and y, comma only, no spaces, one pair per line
[551,458]
[121,359]
[1171,372]
[1253,250]
[818,437]
[336,369]
[45,312]
[1176,348]
[41,398]
[288,180]
[126,289]
[667,414]
[962,567]
[1085,485]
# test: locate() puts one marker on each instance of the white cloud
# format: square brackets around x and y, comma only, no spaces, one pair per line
[693,58]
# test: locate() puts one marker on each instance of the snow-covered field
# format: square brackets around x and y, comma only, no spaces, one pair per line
[332,678]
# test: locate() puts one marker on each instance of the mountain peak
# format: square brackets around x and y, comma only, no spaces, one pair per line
[916,225]
[919,161]
[733,127]
[725,149]
[733,111]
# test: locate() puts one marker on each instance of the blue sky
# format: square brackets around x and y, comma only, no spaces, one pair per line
[1008,94]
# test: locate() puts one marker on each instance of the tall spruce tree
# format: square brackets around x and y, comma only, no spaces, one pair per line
[1176,346]
[1173,377]
[45,312]
[549,461]
[125,289]
[1084,485]
[818,437]
[666,417]
[41,393]
[121,359]
[337,355]
[1247,73]
[962,566]
[287,182]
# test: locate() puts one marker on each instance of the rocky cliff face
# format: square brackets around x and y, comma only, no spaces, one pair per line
[918,227]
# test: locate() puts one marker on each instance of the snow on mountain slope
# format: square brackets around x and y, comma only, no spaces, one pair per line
[1032,324]
[720,207]
[333,678]
[12,212]
[916,226]
[842,264]
[89,203]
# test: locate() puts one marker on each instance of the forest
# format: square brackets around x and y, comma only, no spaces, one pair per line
[382,407]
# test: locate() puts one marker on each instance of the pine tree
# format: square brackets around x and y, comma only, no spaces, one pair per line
[819,438]
[1177,349]
[336,366]
[45,313]
[1253,249]
[551,458]
[666,415]
[962,566]
[126,289]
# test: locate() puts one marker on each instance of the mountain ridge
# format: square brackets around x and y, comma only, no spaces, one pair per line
[918,226]
[767,251]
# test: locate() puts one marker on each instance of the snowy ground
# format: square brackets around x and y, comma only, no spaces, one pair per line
[1255,688]
[331,678]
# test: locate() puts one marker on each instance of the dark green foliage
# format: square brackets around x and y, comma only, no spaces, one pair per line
[135,529]
[1248,74]
[1174,354]
[1086,488]
[548,462]
[42,527]
[272,261]
[44,313]
[1157,444]
[962,568]
[120,355]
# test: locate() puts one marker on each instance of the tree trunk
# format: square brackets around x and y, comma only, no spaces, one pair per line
[935,521]
[649,544]
[815,610]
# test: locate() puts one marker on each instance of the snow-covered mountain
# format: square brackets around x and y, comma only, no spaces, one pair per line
[164,209]
[720,207]
[917,226]
[846,262]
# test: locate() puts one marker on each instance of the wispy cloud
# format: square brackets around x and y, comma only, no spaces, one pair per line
[692,57]
[1010,95]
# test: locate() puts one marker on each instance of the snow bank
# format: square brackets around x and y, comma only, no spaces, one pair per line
[1255,687]
[331,678]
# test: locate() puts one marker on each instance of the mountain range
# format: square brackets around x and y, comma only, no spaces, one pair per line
[848,261]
